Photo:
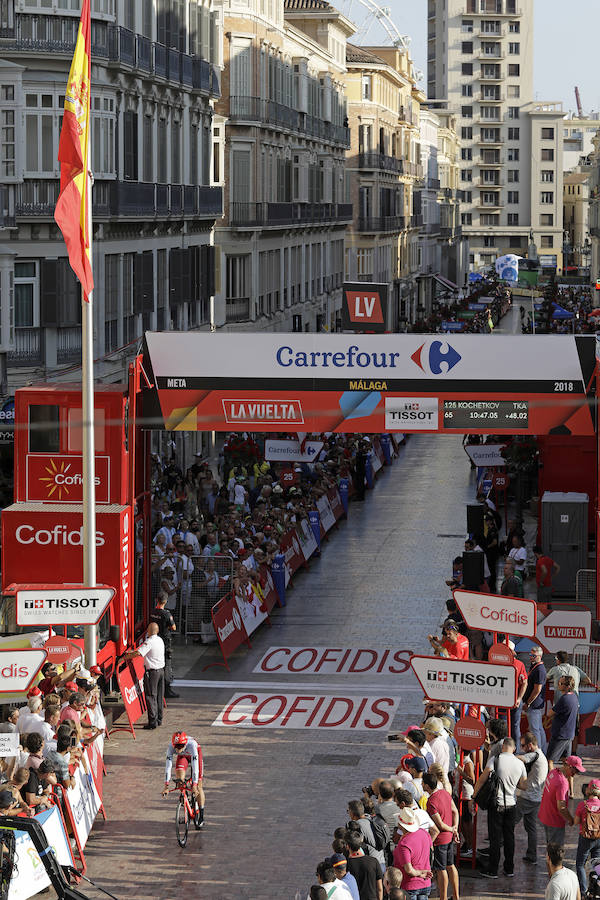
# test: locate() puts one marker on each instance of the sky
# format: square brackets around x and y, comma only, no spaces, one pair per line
[566,45]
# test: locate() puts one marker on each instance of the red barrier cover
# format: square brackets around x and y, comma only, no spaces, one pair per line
[94,758]
[271,598]
[333,495]
[228,625]
[291,549]
[130,678]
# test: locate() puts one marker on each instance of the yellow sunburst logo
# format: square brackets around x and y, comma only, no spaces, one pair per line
[50,482]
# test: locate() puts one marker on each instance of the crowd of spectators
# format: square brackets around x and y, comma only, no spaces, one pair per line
[495,297]
[216,532]
[549,318]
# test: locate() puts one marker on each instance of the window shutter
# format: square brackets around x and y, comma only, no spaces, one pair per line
[175,277]
[148,281]
[48,292]
[210,271]
[68,292]
[130,160]
[138,292]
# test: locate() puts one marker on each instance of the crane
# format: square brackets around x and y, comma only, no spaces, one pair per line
[578,101]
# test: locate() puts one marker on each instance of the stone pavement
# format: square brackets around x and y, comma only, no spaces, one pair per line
[274,796]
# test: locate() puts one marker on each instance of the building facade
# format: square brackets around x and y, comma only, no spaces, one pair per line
[480,65]
[155,76]
[280,245]
[383,170]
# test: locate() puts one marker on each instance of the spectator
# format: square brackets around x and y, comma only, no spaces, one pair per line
[385,805]
[392,879]
[587,816]
[416,767]
[30,715]
[366,869]
[60,758]
[417,743]
[404,800]
[564,667]
[444,814]
[528,803]
[39,787]
[412,856]
[317,892]
[554,809]
[518,553]
[166,626]
[34,744]
[334,888]
[356,811]
[12,720]
[545,570]
[16,786]
[48,727]
[511,585]
[517,710]
[533,699]
[52,680]
[564,721]
[454,645]
[339,864]
[511,775]
[8,803]
[72,711]
[497,730]
[436,738]
[563,884]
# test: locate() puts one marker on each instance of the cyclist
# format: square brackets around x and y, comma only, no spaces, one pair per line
[188,752]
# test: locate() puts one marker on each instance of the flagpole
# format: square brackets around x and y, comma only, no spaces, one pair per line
[88,468]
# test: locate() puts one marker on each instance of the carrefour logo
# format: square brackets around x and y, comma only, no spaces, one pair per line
[436,361]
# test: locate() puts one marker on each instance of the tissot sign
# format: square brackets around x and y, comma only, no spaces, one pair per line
[370,383]
[57,605]
[364,307]
[465,681]
[56,478]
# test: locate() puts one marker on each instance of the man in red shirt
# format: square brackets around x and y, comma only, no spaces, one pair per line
[545,570]
[52,680]
[453,644]
[443,812]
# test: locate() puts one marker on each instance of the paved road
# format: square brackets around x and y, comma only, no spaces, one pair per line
[275,795]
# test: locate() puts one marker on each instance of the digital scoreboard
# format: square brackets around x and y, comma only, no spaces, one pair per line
[492,414]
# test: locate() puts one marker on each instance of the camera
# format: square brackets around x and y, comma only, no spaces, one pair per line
[368,790]
[73,740]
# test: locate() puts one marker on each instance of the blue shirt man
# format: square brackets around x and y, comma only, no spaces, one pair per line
[340,863]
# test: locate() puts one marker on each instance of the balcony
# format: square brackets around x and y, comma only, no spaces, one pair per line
[36,197]
[373,160]
[473,9]
[381,223]
[136,199]
[237,309]
[497,141]
[416,220]
[280,215]
[270,112]
[68,345]
[490,57]
[433,184]
[28,348]
[488,77]
[480,204]
[498,98]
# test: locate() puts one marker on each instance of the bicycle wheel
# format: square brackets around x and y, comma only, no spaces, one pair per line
[198,823]
[181,822]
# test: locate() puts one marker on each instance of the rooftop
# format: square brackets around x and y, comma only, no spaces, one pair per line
[353,53]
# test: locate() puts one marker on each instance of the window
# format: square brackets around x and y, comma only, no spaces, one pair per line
[513,197]
[514,48]
[44,429]
[512,176]
[490,48]
[7,142]
[364,262]
[490,112]
[130,146]
[547,220]
[467,26]
[514,70]
[512,154]
[175,152]
[103,136]
[489,219]
[467,47]
[467,68]
[367,87]
[466,175]
[513,112]
[466,133]
[490,198]
[514,243]
[547,175]
[467,196]
[467,112]
[466,218]
[547,134]
[148,167]
[490,71]
[111,303]
[162,152]
[547,197]
[490,135]
[547,155]
[40,135]
[547,241]
[512,219]
[25,287]
[490,26]
[466,153]
[513,90]
[514,27]
[467,90]
[489,241]
[514,134]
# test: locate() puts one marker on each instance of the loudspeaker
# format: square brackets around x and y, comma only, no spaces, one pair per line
[474,518]
[472,569]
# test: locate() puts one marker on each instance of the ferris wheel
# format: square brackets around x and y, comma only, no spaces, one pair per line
[374,25]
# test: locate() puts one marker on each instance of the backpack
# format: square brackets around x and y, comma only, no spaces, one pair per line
[381,832]
[487,796]
[590,827]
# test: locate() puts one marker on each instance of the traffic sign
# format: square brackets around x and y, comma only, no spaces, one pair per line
[564,628]
[18,668]
[500,653]
[60,650]
[51,604]
[465,681]
[469,733]
[493,612]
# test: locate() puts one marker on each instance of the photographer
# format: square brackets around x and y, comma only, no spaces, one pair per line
[452,644]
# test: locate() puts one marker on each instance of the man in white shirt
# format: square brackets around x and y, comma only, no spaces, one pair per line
[519,554]
[167,528]
[436,738]
[563,884]
[152,649]
[528,803]
[30,716]
[47,728]
[511,774]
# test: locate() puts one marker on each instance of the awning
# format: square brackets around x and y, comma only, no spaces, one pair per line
[446,284]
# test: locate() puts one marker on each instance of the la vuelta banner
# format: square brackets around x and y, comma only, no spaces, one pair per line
[369,383]
[130,678]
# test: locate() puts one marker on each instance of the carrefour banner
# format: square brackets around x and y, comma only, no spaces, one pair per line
[368,383]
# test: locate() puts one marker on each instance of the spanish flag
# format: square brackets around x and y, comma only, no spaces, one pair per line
[71,213]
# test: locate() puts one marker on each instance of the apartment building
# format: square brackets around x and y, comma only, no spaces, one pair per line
[280,245]
[480,65]
[155,76]
[383,170]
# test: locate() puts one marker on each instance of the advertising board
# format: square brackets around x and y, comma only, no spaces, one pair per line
[58,605]
[364,307]
[492,612]
[276,451]
[465,681]
[564,628]
[58,478]
[332,712]
[18,668]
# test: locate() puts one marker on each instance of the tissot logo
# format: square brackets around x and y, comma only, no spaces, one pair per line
[436,675]
[436,360]
[34,604]
[255,412]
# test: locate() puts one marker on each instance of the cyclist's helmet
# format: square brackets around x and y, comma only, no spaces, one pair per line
[179,739]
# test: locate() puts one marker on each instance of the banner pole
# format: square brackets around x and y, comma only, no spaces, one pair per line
[88,468]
